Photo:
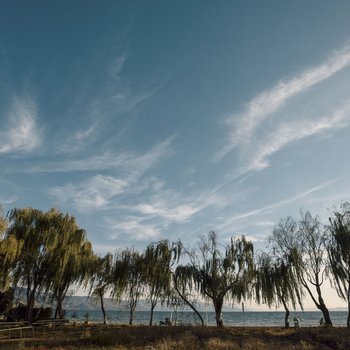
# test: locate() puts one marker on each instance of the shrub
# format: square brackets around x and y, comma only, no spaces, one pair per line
[19,313]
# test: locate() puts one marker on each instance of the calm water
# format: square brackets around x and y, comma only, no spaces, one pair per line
[306,319]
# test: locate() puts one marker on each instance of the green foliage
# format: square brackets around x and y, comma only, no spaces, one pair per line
[129,278]
[186,284]
[31,227]
[277,278]
[48,253]
[221,274]
[72,260]
[102,279]
[339,252]
[159,258]
[10,249]
[304,245]
[3,224]
[339,249]
[226,273]
[54,253]
[277,283]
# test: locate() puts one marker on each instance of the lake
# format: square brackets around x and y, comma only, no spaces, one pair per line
[248,318]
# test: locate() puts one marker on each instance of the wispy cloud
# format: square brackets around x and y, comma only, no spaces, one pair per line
[141,212]
[178,213]
[92,194]
[289,132]
[151,220]
[123,161]
[134,228]
[155,215]
[86,133]
[173,207]
[97,106]
[118,65]
[239,216]
[98,192]
[8,200]
[269,101]
[79,140]
[21,133]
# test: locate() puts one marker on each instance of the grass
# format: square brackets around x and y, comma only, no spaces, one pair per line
[192,338]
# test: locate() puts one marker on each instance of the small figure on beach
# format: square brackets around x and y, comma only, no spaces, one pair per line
[166,322]
[296,322]
[322,324]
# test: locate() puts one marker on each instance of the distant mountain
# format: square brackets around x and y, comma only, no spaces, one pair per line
[76,303]
[338,309]
[90,304]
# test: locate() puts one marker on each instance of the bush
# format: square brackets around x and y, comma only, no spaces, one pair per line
[19,313]
[6,300]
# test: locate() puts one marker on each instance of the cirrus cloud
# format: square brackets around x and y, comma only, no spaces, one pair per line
[269,101]
[21,133]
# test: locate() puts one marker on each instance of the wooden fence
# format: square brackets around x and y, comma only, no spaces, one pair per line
[19,330]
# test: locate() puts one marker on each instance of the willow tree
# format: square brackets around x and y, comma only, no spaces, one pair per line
[3,223]
[71,260]
[159,258]
[129,278]
[277,283]
[10,249]
[223,274]
[186,284]
[102,279]
[339,253]
[32,268]
[305,245]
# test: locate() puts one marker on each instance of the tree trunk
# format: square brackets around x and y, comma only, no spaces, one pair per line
[326,316]
[153,305]
[30,307]
[59,309]
[131,317]
[103,309]
[348,319]
[132,305]
[60,294]
[286,317]
[218,314]
[323,308]
[320,304]
[30,300]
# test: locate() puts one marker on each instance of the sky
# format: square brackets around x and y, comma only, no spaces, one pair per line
[166,119]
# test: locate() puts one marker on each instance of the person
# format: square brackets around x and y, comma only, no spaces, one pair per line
[322,322]
[296,322]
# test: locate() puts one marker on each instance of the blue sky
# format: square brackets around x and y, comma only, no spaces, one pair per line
[165,119]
